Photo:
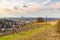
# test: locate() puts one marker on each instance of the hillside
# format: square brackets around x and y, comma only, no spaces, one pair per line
[45,32]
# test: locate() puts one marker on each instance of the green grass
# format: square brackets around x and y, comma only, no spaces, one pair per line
[27,34]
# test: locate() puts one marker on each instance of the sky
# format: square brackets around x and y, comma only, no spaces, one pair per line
[30,8]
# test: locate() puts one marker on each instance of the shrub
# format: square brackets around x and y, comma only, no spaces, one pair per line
[40,19]
[58,26]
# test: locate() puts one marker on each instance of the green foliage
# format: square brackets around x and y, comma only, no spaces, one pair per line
[40,19]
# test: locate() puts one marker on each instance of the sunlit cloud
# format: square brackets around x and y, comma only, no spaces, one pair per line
[15,7]
[55,5]
[29,7]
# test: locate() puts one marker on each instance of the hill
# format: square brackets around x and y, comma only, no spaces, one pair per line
[45,32]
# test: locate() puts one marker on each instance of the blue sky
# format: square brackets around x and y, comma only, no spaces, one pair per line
[27,8]
[55,0]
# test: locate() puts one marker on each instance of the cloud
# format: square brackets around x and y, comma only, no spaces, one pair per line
[30,7]
[55,5]
[14,7]
[14,11]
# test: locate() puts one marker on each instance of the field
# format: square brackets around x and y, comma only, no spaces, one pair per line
[40,31]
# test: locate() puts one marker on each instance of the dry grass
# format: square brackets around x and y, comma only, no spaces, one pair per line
[36,33]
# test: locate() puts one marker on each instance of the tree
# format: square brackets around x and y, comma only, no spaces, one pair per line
[40,19]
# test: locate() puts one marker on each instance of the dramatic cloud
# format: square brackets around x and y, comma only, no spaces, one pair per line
[29,7]
[14,7]
[55,5]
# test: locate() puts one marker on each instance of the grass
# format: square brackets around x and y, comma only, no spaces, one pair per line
[26,35]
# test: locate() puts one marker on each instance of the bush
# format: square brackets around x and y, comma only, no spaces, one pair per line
[40,19]
[58,26]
